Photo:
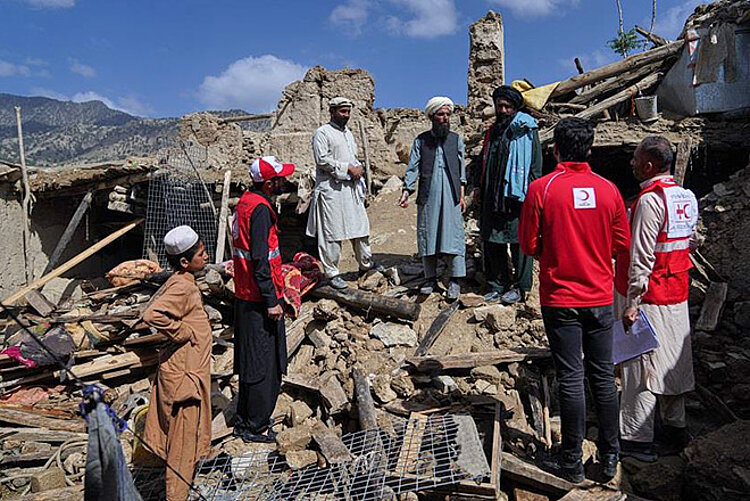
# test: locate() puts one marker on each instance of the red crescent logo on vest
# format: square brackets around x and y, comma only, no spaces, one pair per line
[683,211]
[586,195]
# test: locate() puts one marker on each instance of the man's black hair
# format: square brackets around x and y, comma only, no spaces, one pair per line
[174,261]
[658,150]
[574,138]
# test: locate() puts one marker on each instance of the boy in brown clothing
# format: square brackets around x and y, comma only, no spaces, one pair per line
[178,423]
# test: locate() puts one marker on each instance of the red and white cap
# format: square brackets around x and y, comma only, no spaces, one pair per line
[265,168]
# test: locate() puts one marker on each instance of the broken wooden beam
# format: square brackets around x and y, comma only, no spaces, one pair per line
[531,475]
[470,360]
[614,84]
[712,307]
[297,331]
[621,96]
[39,303]
[436,328]
[651,37]
[682,159]
[331,445]
[365,405]
[72,263]
[628,64]
[369,301]
[70,230]
[23,417]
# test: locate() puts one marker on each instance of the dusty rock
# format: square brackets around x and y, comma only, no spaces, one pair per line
[403,386]
[471,300]
[393,334]
[485,387]
[487,372]
[283,406]
[320,339]
[496,316]
[371,280]
[717,464]
[52,478]
[660,480]
[445,384]
[299,459]
[326,309]
[293,439]
[382,387]
[394,183]
[299,411]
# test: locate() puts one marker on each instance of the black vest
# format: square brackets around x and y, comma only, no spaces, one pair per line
[429,144]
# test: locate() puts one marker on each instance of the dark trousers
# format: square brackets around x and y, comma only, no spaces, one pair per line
[588,331]
[496,267]
[260,361]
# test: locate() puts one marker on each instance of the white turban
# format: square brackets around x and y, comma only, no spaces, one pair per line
[434,104]
[340,102]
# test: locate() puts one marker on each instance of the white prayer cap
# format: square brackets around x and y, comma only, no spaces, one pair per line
[180,239]
[437,102]
[340,102]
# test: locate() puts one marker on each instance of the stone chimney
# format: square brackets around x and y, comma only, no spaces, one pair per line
[486,64]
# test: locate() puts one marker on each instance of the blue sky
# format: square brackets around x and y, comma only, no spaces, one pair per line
[168,57]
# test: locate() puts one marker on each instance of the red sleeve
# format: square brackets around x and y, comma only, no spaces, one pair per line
[529,230]
[620,228]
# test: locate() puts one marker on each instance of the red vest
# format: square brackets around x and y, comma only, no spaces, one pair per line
[668,283]
[245,286]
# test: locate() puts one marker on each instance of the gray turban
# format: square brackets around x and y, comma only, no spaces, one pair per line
[434,104]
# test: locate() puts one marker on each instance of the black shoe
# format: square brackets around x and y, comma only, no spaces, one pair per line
[609,464]
[492,297]
[572,471]
[268,437]
[338,283]
[513,296]
[454,291]
[428,287]
[642,451]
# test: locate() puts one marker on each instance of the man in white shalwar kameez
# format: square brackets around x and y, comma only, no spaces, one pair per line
[663,221]
[337,210]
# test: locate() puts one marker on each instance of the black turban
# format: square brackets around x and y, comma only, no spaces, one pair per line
[510,94]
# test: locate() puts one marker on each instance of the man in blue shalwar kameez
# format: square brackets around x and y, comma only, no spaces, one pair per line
[437,162]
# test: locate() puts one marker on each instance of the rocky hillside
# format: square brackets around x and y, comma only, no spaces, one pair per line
[63,132]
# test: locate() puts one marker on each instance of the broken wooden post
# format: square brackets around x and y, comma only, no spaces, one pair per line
[651,37]
[369,301]
[366,149]
[435,329]
[221,237]
[469,360]
[712,307]
[28,265]
[70,230]
[545,411]
[72,262]
[621,96]
[365,405]
[682,159]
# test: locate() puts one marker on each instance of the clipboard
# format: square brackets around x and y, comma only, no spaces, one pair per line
[641,339]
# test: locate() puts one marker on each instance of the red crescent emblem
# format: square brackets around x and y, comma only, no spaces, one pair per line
[586,195]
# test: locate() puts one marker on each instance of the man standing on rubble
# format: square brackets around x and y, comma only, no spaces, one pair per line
[260,335]
[511,159]
[437,160]
[337,210]
[655,281]
[574,222]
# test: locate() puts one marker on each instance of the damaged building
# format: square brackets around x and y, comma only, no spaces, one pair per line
[388,395]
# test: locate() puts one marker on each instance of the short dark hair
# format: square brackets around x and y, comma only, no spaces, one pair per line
[658,150]
[574,138]
[174,260]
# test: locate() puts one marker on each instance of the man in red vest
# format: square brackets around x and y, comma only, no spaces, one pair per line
[574,222]
[259,331]
[655,281]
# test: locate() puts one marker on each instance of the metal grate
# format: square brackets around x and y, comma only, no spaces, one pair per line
[177,196]
[412,455]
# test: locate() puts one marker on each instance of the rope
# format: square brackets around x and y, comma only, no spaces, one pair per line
[90,393]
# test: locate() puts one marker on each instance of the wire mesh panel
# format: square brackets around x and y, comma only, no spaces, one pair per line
[177,196]
[413,455]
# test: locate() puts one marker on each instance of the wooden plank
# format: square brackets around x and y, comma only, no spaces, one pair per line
[651,37]
[72,262]
[366,150]
[436,328]
[613,84]
[68,493]
[36,420]
[369,301]
[712,307]
[598,493]
[682,159]
[331,445]
[39,303]
[531,475]
[333,394]
[497,447]
[223,212]
[537,409]
[41,435]
[70,230]
[628,64]
[621,96]
[297,331]
[412,443]
[523,495]
[470,360]
[365,405]
[545,412]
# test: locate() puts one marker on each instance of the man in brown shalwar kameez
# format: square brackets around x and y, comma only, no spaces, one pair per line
[178,423]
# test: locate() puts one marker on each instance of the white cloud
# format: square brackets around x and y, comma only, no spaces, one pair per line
[351,16]
[253,83]
[670,24]
[430,18]
[82,69]
[35,61]
[11,70]
[131,104]
[534,8]
[51,4]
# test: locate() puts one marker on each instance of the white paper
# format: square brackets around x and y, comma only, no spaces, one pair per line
[640,339]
